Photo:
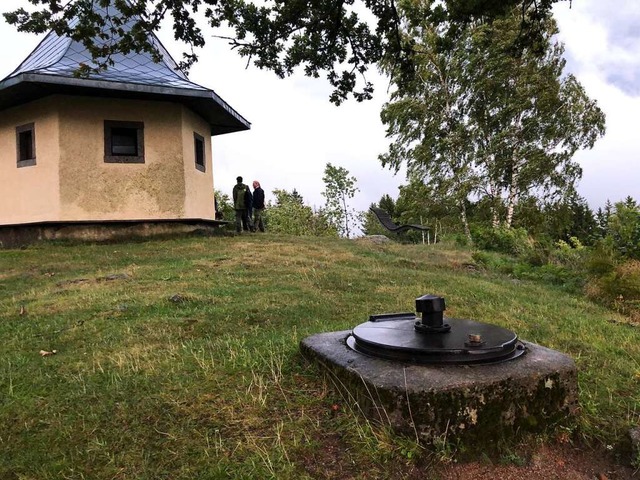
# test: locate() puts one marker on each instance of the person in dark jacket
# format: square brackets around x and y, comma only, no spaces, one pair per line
[246,220]
[258,206]
[240,204]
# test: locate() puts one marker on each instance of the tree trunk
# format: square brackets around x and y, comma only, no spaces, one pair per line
[512,198]
[465,222]
[492,193]
[345,210]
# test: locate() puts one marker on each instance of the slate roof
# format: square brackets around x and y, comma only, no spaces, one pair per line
[50,69]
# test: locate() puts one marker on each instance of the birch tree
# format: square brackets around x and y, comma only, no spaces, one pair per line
[483,120]
[340,187]
[529,117]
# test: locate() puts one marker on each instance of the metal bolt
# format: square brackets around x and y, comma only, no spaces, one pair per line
[475,338]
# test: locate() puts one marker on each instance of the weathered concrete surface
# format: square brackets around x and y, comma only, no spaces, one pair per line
[15,236]
[483,402]
[634,433]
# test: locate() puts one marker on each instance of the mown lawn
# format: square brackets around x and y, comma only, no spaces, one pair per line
[179,358]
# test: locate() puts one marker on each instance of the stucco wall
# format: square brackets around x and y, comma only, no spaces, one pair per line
[72,182]
[29,194]
[94,190]
[198,203]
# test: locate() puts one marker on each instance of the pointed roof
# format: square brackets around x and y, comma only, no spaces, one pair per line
[51,69]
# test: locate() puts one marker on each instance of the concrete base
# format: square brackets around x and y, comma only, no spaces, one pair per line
[484,402]
[15,236]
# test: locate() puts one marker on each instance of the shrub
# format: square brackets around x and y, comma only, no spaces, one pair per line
[571,254]
[624,228]
[619,288]
[601,260]
[539,254]
[493,261]
[514,241]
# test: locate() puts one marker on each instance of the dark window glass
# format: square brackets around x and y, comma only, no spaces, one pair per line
[26,145]
[123,142]
[199,151]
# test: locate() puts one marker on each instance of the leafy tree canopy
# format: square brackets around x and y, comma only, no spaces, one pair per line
[289,215]
[338,38]
[479,119]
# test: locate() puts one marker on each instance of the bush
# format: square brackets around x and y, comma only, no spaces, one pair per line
[289,215]
[539,254]
[601,260]
[514,241]
[619,288]
[550,273]
[571,254]
[624,228]
[493,261]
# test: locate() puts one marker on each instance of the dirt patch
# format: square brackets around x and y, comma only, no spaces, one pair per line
[544,462]
[556,462]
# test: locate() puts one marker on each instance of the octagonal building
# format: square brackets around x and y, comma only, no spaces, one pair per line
[128,145]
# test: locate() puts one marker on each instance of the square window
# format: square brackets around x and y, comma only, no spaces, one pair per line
[123,142]
[26,145]
[199,151]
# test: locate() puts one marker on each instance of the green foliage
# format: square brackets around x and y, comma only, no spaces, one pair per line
[482,119]
[493,261]
[571,253]
[338,39]
[339,189]
[422,204]
[602,260]
[603,272]
[514,241]
[623,228]
[618,288]
[289,215]
[224,205]
[570,217]
[388,204]
[512,252]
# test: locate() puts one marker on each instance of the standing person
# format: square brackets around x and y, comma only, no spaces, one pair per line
[239,204]
[258,206]
[246,220]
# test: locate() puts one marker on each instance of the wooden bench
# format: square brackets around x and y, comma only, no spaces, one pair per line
[385,220]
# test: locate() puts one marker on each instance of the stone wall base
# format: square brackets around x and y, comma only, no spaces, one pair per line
[16,236]
[481,403]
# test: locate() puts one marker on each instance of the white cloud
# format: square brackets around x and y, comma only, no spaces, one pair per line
[601,45]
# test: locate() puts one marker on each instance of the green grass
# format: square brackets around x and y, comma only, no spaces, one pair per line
[179,358]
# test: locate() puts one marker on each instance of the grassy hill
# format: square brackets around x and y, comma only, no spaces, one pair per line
[179,358]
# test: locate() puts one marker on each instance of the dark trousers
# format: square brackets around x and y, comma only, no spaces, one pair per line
[258,222]
[241,216]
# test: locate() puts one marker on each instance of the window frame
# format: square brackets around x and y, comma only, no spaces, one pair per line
[202,167]
[21,129]
[109,157]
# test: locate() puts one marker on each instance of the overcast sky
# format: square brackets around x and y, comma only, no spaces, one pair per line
[296,130]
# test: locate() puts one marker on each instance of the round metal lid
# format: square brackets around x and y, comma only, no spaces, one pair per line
[396,337]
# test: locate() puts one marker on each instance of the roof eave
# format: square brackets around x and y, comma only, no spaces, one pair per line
[221,117]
